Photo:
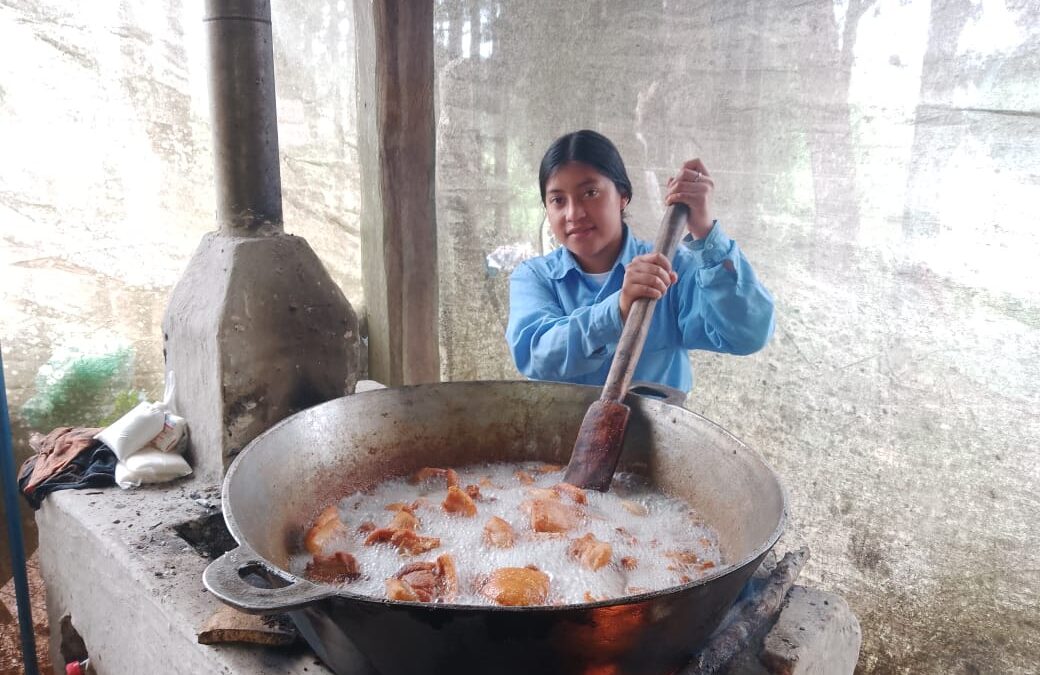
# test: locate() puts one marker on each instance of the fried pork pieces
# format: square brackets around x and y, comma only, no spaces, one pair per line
[511,535]
[516,586]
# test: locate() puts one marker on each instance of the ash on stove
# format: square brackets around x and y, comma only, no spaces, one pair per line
[208,535]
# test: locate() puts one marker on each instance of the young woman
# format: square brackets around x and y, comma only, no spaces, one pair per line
[567,308]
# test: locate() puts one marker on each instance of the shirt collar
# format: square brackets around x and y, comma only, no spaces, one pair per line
[563,262]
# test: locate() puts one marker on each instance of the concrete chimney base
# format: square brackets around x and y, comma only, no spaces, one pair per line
[255,331]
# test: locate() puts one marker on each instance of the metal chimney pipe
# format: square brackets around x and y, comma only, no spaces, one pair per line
[245,119]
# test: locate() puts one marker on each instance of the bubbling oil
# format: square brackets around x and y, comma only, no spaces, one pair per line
[645,528]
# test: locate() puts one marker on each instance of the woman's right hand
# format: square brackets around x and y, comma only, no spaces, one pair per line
[647,276]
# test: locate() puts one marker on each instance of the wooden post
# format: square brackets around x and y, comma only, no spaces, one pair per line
[396,143]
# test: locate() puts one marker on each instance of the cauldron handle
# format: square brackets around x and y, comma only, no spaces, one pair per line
[223,578]
[658,391]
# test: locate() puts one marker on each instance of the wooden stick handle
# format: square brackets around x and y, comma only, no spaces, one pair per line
[633,335]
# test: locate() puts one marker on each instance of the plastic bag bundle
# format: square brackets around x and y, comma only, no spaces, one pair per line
[134,430]
[150,466]
[148,442]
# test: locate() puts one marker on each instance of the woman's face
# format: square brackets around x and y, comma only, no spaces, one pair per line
[584,210]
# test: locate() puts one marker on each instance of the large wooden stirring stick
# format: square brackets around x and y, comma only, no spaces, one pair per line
[598,446]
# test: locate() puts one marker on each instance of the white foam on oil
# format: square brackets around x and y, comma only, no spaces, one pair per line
[668,526]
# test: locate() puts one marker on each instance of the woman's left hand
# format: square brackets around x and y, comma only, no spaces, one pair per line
[693,186]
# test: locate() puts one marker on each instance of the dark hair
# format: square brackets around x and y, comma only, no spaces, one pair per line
[587,147]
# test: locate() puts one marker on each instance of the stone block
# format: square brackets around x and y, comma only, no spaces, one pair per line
[815,634]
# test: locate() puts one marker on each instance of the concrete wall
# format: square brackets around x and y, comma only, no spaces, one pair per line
[879,162]
[106,181]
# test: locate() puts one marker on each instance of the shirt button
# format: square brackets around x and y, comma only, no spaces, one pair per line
[711,245]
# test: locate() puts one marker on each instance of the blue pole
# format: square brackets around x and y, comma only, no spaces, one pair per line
[14,529]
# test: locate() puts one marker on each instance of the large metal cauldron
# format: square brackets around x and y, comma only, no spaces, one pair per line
[316,456]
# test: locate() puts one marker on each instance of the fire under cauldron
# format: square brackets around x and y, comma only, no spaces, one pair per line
[313,458]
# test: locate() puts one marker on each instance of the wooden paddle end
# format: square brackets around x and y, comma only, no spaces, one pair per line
[597,448]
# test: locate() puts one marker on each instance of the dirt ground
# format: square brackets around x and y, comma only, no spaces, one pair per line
[10,641]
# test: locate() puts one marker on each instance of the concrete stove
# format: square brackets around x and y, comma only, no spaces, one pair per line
[120,571]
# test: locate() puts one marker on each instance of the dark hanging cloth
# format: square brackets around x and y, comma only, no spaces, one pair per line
[54,451]
[66,458]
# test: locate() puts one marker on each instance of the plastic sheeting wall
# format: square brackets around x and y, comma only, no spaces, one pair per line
[879,163]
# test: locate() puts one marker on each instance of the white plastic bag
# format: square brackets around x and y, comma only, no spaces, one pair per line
[132,431]
[150,466]
[149,424]
[508,257]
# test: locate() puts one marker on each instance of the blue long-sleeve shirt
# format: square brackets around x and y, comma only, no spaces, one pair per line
[562,327]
